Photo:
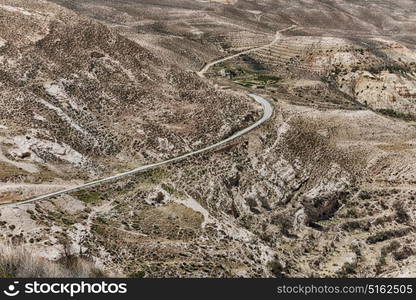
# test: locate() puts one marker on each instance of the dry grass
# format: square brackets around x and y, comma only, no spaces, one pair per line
[8,197]
[7,171]
[16,261]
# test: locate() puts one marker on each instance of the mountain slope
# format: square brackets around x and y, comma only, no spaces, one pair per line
[79,98]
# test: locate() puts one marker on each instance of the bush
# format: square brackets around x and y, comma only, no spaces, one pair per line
[398,115]
[381,263]
[388,234]
[394,245]
[403,253]
[89,197]
[391,68]
[275,267]
[284,222]
[352,213]
[365,195]
[401,215]
[356,249]
[137,274]
[347,269]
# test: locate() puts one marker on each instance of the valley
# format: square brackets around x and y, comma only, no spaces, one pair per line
[208,138]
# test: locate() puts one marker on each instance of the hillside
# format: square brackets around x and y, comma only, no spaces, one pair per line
[325,188]
[79,100]
[369,58]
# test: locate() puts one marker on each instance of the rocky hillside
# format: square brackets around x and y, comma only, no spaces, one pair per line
[378,73]
[314,193]
[369,58]
[79,100]
[324,189]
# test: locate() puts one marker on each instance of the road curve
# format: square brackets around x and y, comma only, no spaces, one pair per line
[267,114]
[275,40]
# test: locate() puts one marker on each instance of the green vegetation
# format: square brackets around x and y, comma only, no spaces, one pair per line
[352,213]
[257,79]
[89,197]
[401,215]
[154,176]
[391,68]
[398,115]
[354,225]
[62,218]
[172,191]
[357,250]
[275,267]
[8,171]
[388,234]
[347,269]
[245,70]
[137,274]
[382,261]
[248,77]
[267,78]
[378,237]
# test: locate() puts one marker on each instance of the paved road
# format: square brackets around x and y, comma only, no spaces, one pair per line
[275,40]
[267,114]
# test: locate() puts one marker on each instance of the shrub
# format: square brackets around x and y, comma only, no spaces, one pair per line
[356,249]
[275,267]
[284,222]
[352,213]
[398,115]
[137,274]
[401,215]
[403,253]
[388,234]
[89,197]
[381,263]
[347,269]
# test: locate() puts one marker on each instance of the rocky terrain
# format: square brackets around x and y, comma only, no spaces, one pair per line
[78,101]
[324,189]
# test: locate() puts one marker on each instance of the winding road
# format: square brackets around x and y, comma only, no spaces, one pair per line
[267,114]
[275,40]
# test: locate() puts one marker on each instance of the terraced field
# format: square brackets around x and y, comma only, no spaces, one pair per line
[319,54]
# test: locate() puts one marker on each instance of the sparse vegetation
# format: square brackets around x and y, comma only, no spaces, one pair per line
[89,196]
[276,267]
[401,215]
[387,234]
[137,274]
[404,253]
[152,177]
[347,270]
[8,172]
[398,115]
[16,261]
[390,68]
[324,188]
